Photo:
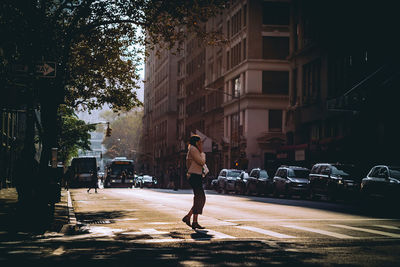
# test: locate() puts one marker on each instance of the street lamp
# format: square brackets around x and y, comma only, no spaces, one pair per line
[238,112]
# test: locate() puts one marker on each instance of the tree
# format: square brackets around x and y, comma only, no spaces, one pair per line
[92,43]
[74,135]
[126,133]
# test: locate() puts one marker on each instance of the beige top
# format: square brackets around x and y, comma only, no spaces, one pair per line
[195,160]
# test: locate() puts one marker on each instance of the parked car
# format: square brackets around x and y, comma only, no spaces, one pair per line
[148,181]
[291,180]
[214,184]
[382,181]
[227,179]
[333,180]
[241,182]
[259,182]
[137,181]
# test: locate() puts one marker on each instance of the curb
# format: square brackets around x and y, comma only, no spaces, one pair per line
[71,216]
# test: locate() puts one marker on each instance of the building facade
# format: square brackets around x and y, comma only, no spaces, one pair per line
[159,150]
[293,85]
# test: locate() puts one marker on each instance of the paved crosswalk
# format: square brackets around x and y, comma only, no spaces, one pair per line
[240,232]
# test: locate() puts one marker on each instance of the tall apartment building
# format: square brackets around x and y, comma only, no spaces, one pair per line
[256,82]
[343,83]
[159,150]
[217,85]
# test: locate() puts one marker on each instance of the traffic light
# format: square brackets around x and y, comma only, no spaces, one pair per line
[108,131]
[236,163]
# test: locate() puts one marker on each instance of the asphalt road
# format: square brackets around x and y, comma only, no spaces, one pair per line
[121,227]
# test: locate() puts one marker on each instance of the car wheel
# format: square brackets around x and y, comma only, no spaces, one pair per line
[219,188]
[248,191]
[287,193]
[275,192]
[225,191]
[313,196]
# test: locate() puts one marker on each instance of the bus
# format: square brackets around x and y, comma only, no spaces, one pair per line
[114,173]
[80,171]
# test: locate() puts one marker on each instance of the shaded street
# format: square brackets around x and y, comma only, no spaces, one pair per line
[126,226]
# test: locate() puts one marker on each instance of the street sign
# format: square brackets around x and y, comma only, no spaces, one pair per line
[46,69]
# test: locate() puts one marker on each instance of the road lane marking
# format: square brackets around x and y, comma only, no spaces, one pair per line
[288,220]
[166,240]
[160,223]
[367,230]
[146,231]
[265,232]
[126,219]
[59,251]
[388,227]
[214,234]
[322,232]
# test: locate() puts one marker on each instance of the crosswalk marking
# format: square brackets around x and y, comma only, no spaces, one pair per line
[388,227]
[165,240]
[215,234]
[160,223]
[322,232]
[308,219]
[367,230]
[146,231]
[265,232]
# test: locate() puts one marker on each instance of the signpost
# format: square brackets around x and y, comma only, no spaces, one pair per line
[46,69]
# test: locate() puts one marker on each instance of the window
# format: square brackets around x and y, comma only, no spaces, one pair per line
[275,82]
[275,47]
[275,13]
[263,174]
[236,86]
[244,15]
[244,49]
[275,120]
[234,128]
[227,60]
[311,82]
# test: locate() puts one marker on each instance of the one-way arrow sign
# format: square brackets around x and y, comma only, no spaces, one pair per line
[46,69]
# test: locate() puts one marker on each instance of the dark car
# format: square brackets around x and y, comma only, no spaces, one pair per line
[291,180]
[259,182]
[382,181]
[241,182]
[333,180]
[227,179]
[214,184]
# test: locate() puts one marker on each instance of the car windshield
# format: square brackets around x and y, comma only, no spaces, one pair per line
[299,173]
[263,174]
[147,178]
[233,173]
[395,172]
[117,169]
[342,170]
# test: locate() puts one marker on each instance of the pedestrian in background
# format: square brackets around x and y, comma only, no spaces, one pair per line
[93,182]
[195,160]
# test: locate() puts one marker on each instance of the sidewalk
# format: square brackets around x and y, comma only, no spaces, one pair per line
[14,223]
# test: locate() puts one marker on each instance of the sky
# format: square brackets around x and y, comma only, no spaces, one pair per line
[95,114]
